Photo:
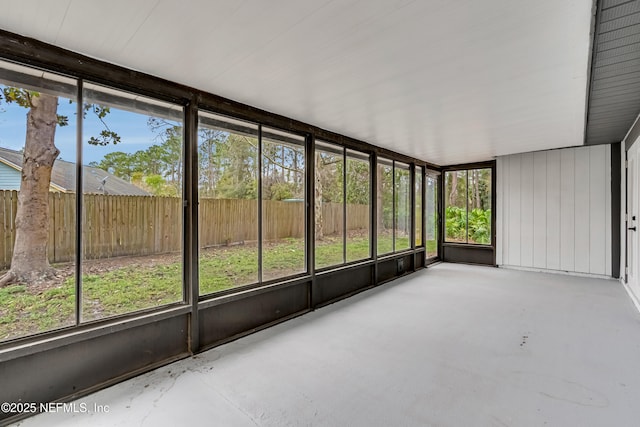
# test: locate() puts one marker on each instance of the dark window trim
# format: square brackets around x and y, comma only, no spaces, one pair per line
[468,166]
[331,147]
[46,57]
[437,178]
[30,344]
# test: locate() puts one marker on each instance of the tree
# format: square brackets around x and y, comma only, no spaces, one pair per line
[282,171]
[117,163]
[169,152]
[328,185]
[384,197]
[158,169]
[358,181]
[237,159]
[209,159]
[453,194]
[30,263]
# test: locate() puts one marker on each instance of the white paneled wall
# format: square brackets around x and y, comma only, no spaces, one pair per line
[554,210]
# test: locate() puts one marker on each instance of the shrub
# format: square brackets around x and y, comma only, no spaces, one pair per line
[456,223]
[479,225]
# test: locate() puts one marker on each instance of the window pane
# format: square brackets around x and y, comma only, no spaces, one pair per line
[329,205]
[402,206]
[37,252]
[455,199]
[358,206]
[283,195]
[479,196]
[418,196]
[228,203]
[431,210]
[132,196]
[385,206]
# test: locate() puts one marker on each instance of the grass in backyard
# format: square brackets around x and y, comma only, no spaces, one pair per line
[282,259]
[24,311]
[385,243]
[358,249]
[120,286]
[224,268]
[131,288]
[432,248]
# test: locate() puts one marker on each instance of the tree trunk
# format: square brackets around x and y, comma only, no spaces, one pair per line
[476,187]
[30,255]
[453,194]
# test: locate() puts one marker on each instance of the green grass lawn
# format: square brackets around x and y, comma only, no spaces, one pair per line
[145,284]
[432,248]
[385,244]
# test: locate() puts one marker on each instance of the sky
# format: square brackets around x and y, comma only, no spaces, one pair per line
[131,127]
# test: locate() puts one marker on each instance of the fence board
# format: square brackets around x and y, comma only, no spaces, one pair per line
[144,225]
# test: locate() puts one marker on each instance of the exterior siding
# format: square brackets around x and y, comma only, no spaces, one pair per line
[556,210]
[9,178]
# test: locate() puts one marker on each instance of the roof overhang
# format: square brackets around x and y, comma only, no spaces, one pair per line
[614,95]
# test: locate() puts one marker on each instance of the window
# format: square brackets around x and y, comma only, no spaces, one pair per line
[242,241]
[468,206]
[394,194]
[37,237]
[283,204]
[228,203]
[132,203]
[402,206]
[384,170]
[329,205]
[131,198]
[431,212]
[358,205]
[418,195]
[341,229]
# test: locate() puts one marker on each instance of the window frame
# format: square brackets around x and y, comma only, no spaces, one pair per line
[322,146]
[491,165]
[409,168]
[83,69]
[346,154]
[436,176]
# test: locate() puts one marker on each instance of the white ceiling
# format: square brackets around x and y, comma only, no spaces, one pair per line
[447,81]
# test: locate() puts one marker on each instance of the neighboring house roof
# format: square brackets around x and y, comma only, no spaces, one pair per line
[63,177]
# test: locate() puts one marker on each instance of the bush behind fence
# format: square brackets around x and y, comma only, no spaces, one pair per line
[146,225]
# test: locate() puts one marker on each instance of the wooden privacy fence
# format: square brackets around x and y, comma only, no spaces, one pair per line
[145,225]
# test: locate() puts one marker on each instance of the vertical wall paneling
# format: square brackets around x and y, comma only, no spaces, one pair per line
[567,210]
[555,211]
[597,209]
[607,212]
[512,202]
[499,208]
[526,210]
[505,213]
[540,209]
[582,215]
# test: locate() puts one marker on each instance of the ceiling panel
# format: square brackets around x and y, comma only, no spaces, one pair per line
[444,81]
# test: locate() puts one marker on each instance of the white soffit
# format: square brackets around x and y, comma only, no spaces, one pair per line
[444,81]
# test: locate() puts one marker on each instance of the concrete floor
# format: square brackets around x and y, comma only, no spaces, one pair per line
[453,345]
